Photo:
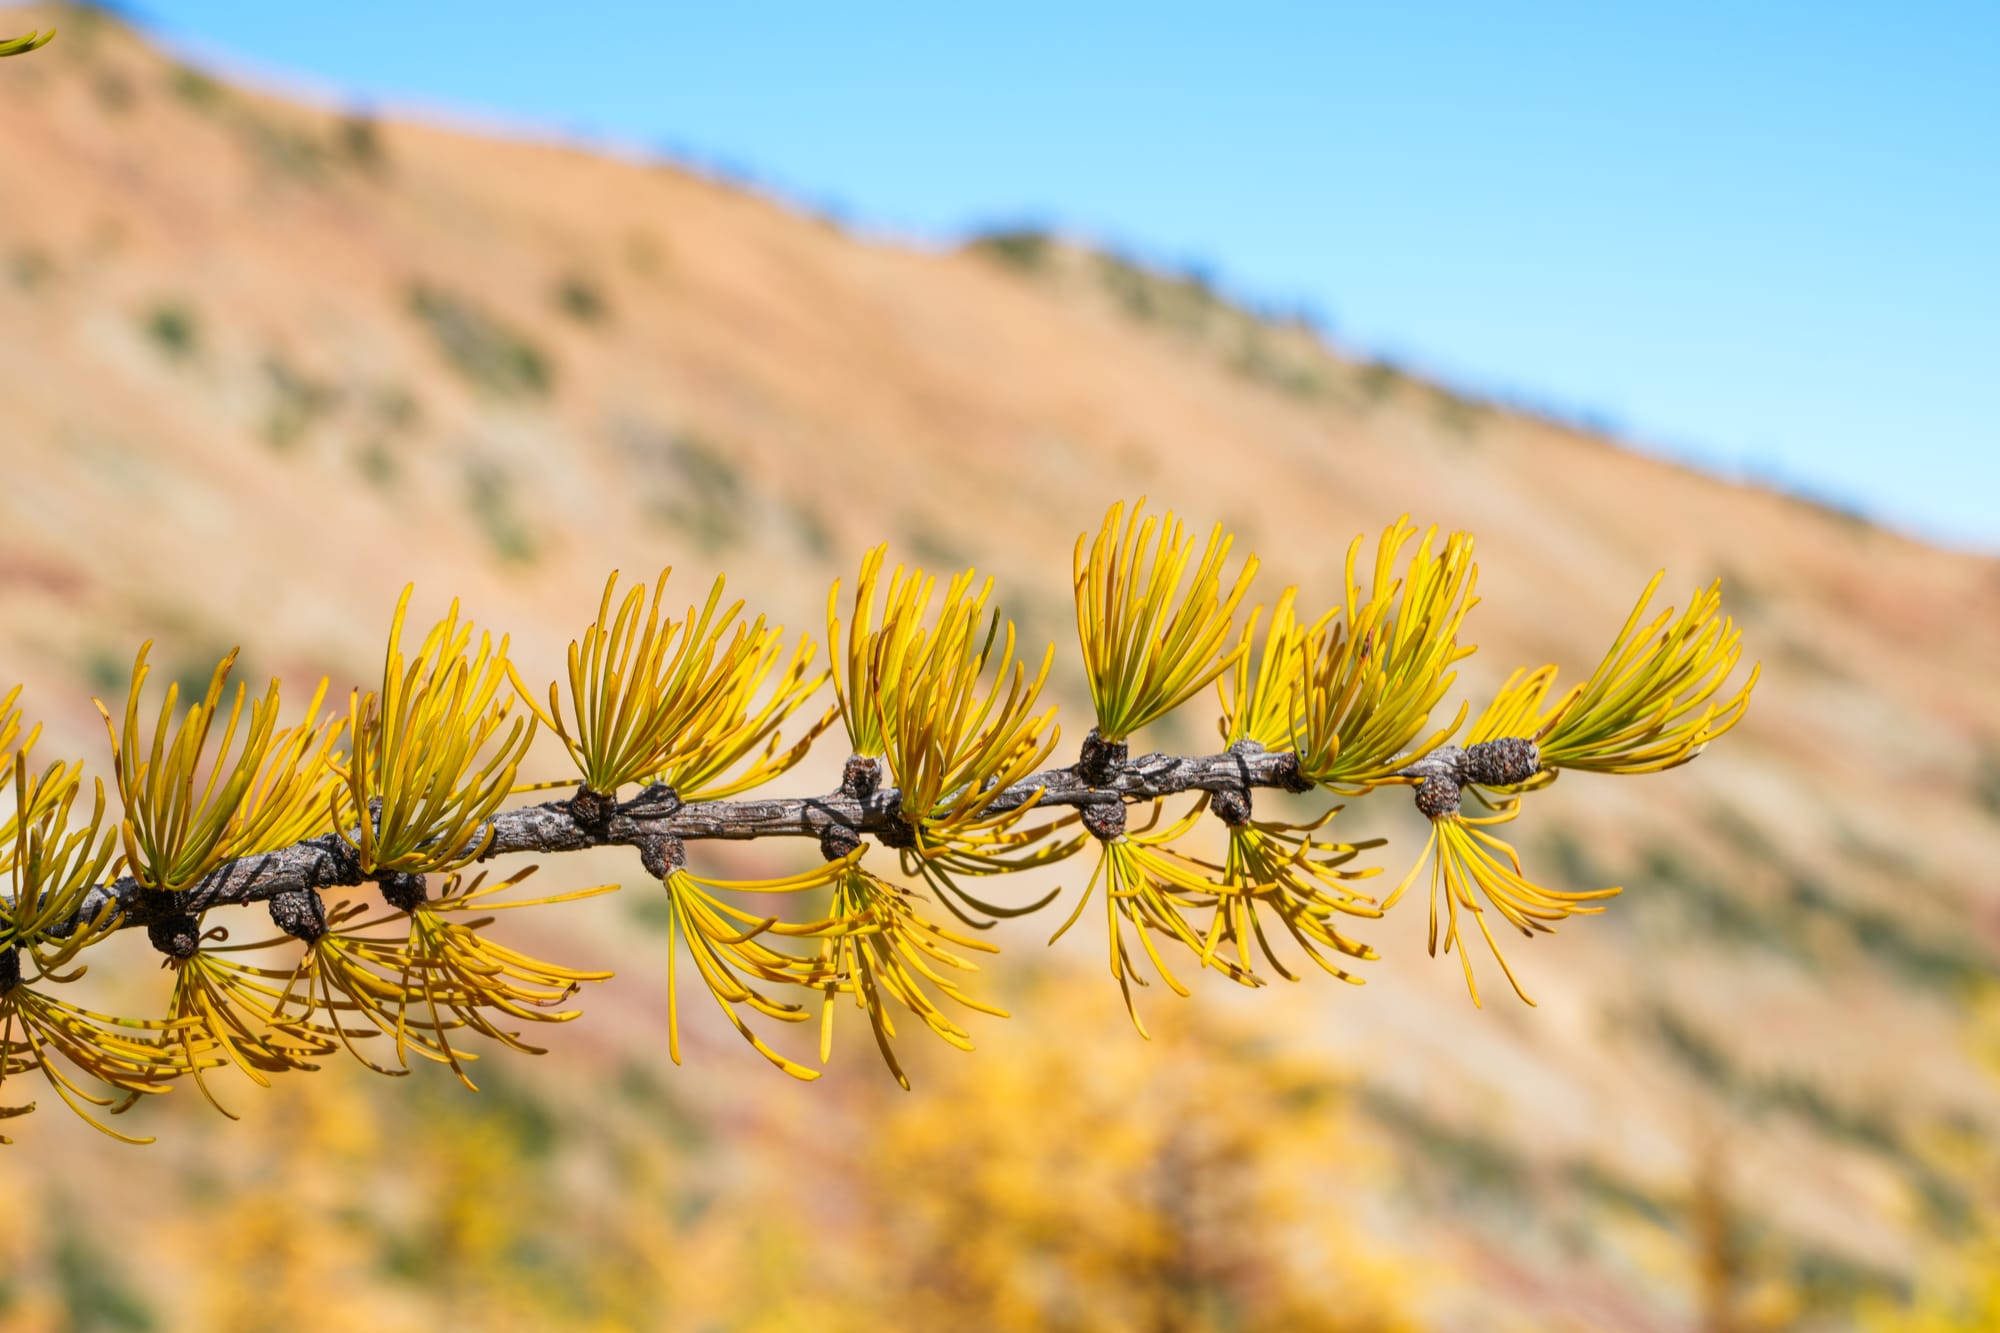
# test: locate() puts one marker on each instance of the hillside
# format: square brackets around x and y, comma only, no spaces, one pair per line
[263,363]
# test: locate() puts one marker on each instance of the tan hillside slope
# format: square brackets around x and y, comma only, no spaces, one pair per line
[262,364]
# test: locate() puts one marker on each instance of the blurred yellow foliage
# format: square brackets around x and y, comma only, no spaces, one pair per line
[1196,1183]
[1958,1284]
[1186,1185]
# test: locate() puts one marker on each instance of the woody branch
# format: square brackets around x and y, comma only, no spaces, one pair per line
[655,821]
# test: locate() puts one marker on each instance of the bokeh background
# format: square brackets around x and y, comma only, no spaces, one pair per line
[282,329]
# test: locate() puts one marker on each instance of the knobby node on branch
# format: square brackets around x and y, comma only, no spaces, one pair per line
[673,721]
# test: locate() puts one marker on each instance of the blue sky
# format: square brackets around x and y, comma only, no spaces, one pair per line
[1763,238]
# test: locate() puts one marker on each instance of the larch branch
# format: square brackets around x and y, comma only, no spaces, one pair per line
[656,814]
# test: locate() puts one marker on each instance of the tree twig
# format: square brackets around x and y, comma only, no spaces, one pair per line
[656,814]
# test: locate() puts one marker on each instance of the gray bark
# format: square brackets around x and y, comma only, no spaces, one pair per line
[655,817]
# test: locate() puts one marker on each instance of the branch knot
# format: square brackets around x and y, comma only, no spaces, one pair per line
[662,854]
[1231,806]
[299,913]
[657,801]
[1500,763]
[592,809]
[402,891]
[176,936]
[837,840]
[1104,819]
[898,833]
[860,776]
[1100,760]
[1438,795]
